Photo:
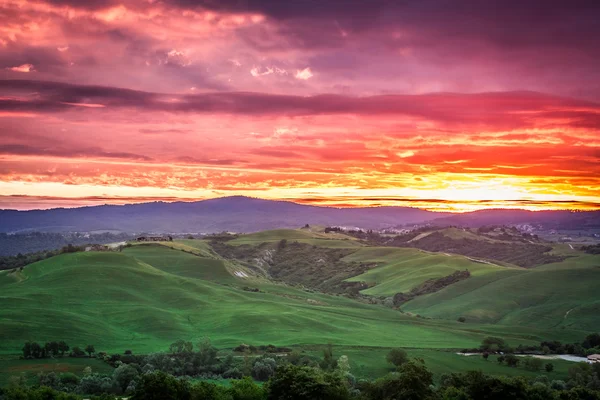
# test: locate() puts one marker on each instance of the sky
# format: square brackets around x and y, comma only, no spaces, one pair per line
[445,105]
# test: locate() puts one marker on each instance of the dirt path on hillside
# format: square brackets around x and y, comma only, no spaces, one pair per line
[567,313]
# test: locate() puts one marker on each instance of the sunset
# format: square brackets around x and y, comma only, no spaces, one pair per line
[299,199]
[422,105]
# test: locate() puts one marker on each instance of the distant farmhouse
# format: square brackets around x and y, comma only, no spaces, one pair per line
[97,247]
[154,239]
[594,358]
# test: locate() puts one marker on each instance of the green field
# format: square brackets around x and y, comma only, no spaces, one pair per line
[401,269]
[31,368]
[180,263]
[370,363]
[559,295]
[150,295]
[312,237]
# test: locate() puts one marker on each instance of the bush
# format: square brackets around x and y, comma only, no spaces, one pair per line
[511,360]
[69,378]
[532,363]
[414,382]
[397,357]
[549,367]
[462,319]
[246,389]
[161,386]
[306,383]
[493,344]
[96,384]
[124,375]
[263,369]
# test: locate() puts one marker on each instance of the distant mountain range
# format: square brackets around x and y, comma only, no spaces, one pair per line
[244,214]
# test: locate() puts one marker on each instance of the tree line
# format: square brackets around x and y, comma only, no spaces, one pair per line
[55,349]
[182,372]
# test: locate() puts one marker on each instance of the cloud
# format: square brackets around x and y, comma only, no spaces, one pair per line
[260,71]
[483,108]
[304,74]
[22,68]
[92,152]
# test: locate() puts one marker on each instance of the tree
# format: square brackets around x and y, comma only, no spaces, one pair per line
[511,360]
[397,357]
[413,382]
[90,349]
[501,359]
[36,350]
[124,374]
[161,386]
[282,244]
[63,347]
[77,352]
[51,348]
[263,368]
[207,354]
[485,356]
[181,346]
[96,384]
[591,341]
[329,363]
[306,383]
[343,365]
[549,367]
[27,350]
[532,363]
[493,344]
[246,389]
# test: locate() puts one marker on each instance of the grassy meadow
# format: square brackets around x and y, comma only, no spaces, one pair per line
[150,295]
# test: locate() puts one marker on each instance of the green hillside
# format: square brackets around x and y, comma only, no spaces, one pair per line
[402,269]
[180,263]
[118,301]
[309,236]
[563,294]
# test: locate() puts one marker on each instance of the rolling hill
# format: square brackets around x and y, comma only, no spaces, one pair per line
[558,295]
[244,214]
[237,213]
[150,295]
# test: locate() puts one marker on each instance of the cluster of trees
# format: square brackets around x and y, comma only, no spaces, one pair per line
[41,242]
[591,249]
[411,381]
[270,348]
[21,260]
[589,345]
[54,349]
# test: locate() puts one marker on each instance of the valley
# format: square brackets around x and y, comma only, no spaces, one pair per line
[303,289]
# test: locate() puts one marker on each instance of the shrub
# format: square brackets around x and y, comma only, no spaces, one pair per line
[160,386]
[462,319]
[263,369]
[246,389]
[493,344]
[532,363]
[124,375]
[549,367]
[305,383]
[397,357]
[511,360]
[69,378]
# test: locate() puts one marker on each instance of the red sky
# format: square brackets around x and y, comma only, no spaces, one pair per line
[445,105]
